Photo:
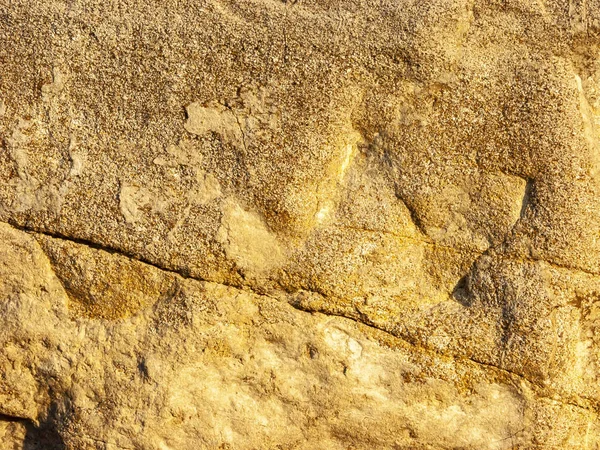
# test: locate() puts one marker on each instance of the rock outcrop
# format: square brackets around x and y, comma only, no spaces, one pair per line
[310,224]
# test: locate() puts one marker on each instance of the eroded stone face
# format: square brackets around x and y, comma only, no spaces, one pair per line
[184,182]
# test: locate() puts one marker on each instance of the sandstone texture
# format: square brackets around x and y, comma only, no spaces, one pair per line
[301,224]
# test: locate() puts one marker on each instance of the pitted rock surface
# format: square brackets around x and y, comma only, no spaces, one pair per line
[299,224]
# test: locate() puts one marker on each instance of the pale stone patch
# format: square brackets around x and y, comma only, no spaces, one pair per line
[208,188]
[20,137]
[447,211]
[29,191]
[328,191]
[12,435]
[221,396]
[132,199]
[218,119]
[58,83]
[77,158]
[490,418]
[247,239]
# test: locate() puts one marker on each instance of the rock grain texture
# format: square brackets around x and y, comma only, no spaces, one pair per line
[301,224]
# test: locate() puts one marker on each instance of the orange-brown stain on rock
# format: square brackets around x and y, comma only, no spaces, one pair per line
[104,285]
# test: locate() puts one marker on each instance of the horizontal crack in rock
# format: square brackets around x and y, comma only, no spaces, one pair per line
[551,395]
[461,358]
[116,251]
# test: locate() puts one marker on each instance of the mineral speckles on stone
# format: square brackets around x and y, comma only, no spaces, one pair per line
[313,224]
[183,154]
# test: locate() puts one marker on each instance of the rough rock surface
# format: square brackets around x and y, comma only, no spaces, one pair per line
[310,224]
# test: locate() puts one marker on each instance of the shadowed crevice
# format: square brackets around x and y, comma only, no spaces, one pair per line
[43,436]
[529,190]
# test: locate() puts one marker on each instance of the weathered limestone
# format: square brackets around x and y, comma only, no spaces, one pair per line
[303,224]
